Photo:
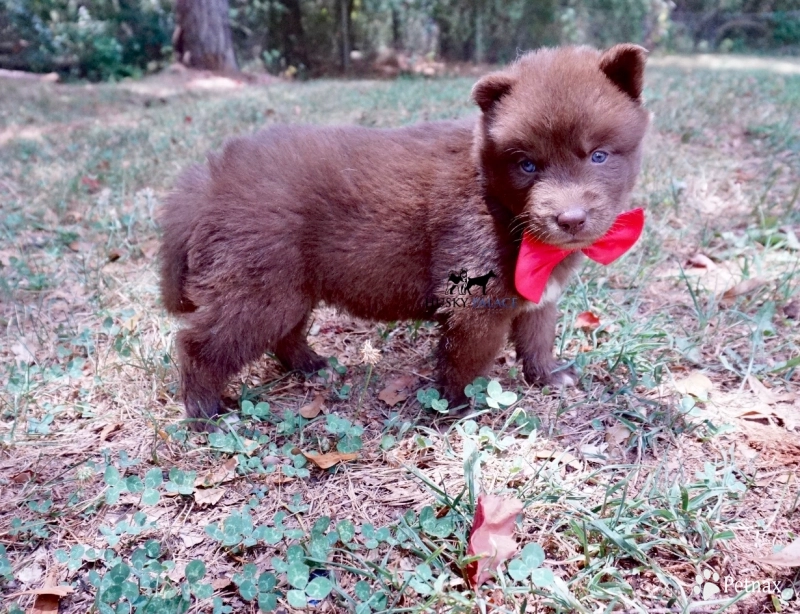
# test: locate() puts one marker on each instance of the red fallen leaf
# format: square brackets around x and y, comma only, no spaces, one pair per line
[91,183]
[188,119]
[492,536]
[22,477]
[701,261]
[587,321]
[745,176]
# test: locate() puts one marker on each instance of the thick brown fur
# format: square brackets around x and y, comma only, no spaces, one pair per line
[376,221]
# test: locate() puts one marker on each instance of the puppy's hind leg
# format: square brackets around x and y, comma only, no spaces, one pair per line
[205,367]
[294,352]
[215,346]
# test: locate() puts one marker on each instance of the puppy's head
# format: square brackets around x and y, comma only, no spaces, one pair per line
[559,142]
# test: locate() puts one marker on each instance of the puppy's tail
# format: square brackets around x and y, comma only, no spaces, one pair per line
[177,222]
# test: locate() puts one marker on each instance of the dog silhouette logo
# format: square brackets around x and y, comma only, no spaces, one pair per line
[457,281]
[461,282]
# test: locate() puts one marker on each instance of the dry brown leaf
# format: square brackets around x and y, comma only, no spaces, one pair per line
[748,452]
[219,583]
[587,321]
[743,176]
[744,287]
[594,453]
[765,394]
[108,430]
[701,261]
[6,255]
[696,384]
[563,457]
[22,352]
[397,390]
[150,248]
[393,459]
[224,473]
[617,434]
[22,477]
[178,572]
[192,539]
[278,478]
[45,604]
[208,496]
[762,413]
[326,461]
[57,591]
[492,535]
[33,573]
[774,476]
[788,557]
[312,409]
[91,183]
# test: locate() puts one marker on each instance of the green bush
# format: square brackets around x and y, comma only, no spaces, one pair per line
[786,28]
[95,39]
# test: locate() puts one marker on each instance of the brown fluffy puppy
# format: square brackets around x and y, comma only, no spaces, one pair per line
[422,222]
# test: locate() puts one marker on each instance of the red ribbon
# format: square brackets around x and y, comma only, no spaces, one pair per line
[538,259]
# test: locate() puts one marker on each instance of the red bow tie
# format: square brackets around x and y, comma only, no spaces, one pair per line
[537,259]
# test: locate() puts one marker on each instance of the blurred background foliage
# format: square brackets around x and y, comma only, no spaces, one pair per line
[108,39]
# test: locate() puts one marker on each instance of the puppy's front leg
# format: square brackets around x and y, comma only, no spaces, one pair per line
[468,345]
[534,334]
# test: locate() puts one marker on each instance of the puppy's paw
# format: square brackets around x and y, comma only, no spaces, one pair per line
[553,374]
[562,377]
[324,376]
[205,412]
[313,364]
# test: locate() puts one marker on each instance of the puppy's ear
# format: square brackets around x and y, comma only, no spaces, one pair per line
[490,89]
[624,65]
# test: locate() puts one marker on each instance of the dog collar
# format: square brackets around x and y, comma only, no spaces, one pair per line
[538,259]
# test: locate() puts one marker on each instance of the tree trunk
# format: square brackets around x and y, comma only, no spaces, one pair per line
[294,36]
[202,37]
[344,8]
[480,34]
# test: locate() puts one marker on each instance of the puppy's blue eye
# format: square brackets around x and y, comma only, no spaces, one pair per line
[527,166]
[599,157]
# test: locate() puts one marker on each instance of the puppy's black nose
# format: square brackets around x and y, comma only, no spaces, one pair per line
[572,220]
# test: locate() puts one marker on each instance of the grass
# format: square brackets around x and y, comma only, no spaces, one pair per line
[646,487]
